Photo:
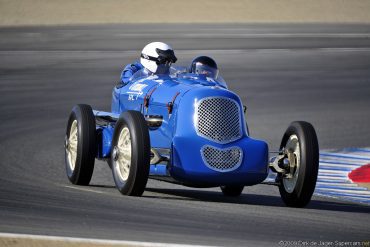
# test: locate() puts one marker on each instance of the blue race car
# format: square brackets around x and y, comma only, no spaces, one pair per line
[187,129]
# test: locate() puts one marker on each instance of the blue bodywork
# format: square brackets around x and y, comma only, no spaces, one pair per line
[178,133]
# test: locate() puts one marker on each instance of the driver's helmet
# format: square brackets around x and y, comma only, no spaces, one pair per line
[157,57]
[204,65]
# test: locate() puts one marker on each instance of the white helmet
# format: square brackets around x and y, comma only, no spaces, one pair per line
[157,57]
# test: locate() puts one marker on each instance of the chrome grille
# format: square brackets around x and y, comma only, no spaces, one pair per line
[218,119]
[222,160]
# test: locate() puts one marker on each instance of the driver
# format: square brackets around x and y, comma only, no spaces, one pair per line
[205,66]
[156,58]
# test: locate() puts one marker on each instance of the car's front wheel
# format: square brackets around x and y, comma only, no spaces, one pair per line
[302,150]
[130,155]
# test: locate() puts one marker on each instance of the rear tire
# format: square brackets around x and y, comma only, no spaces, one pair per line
[80,145]
[301,139]
[232,191]
[130,157]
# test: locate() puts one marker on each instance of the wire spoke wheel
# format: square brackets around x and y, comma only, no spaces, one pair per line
[122,159]
[71,145]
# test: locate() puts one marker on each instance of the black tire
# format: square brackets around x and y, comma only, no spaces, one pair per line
[134,182]
[232,191]
[305,184]
[109,162]
[81,172]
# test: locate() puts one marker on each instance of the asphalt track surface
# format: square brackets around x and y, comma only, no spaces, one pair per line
[317,73]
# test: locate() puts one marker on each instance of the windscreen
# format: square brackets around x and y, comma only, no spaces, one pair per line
[139,74]
[203,69]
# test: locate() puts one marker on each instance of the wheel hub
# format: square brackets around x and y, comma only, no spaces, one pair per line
[115,153]
[66,143]
[293,155]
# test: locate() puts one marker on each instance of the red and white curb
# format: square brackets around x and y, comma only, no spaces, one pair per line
[343,174]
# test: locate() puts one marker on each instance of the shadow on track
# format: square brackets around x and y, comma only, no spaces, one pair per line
[252,199]
[102,186]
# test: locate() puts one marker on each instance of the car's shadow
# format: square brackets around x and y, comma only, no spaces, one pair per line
[102,186]
[247,199]
[251,199]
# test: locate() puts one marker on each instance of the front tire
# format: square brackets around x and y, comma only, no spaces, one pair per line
[130,157]
[300,142]
[80,147]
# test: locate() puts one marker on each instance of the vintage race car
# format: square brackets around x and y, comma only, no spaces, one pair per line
[187,129]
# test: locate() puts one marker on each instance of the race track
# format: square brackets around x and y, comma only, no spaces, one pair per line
[317,73]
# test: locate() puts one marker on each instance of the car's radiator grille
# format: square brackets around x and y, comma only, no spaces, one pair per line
[218,119]
[222,160]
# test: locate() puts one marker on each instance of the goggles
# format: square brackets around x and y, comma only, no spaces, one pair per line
[164,57]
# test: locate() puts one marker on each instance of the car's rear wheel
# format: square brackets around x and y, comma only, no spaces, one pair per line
[130,157]
[302,150]
[232,191]
[80,148]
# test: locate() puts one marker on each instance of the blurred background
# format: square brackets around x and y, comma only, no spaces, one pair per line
[58,12]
